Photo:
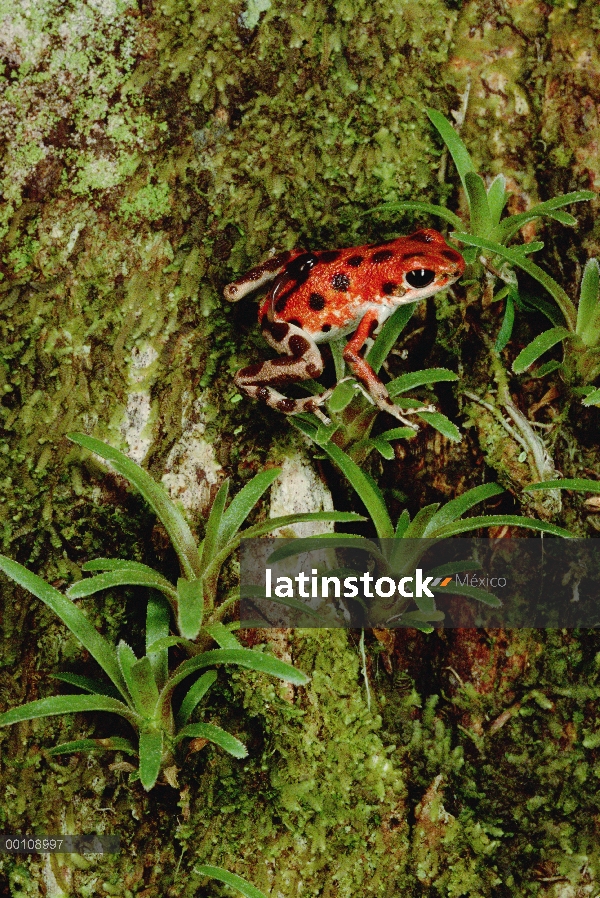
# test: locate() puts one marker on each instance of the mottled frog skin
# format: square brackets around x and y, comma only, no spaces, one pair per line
[321,296]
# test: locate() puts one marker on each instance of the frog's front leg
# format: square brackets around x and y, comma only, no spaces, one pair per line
[365,373]
[259,276]
[301,362]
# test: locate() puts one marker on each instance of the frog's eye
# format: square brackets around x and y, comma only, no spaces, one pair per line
[420,277]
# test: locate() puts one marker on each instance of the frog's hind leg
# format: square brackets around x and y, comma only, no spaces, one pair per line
[257,277]
[301,362]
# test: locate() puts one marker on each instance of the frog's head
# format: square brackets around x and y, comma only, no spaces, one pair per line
[427,264]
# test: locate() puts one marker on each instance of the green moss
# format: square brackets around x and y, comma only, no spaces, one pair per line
[328,802]
[152,154]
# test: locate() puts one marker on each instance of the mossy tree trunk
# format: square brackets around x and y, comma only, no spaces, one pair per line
[152,152]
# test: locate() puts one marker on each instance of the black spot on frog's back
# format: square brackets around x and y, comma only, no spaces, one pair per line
[382,255]
[329,256]
[340,282]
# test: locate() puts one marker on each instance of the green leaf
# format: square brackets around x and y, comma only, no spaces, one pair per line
[506,229]
[66,704]
[71,616]
[157,628]
[552,313]
[113,743]
[150,751]
[458,150]
[417,527]
[383,447]
[402,525]
[96,687]
[413,621]
[564,218]
[230,879]
[388,336]
[589,304]
[167,512]
[222,636]
[456,508]
[418,378]
[547,368]
[305,544]
[422,616]
[366,488]
[325,432]
[592,398]
[516,258]
[398,433]
[470,255]
[505,332]
[541,344]
[194,696]
[243,503]
[117,564]
[122,577]
[127,658]
[342,396]
[166,642]
[337,352]
[567,483]
[497,197]
[212,542]
[481,219]
[214,734]
[248,658]
[453,567]
[471,592]
[190,610]
[417,206]
[499,520]
[527,248]
[443,424]
[145,691]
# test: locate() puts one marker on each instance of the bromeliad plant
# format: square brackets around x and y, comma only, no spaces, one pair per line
[486,236]
[193,599]
[581,344]
[141,690]
[487,233]
[433,522]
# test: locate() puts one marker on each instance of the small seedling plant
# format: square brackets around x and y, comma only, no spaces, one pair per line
[141,690]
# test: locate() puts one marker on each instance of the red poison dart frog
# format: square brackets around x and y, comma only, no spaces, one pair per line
[321,296]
